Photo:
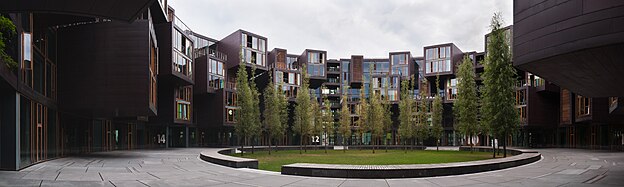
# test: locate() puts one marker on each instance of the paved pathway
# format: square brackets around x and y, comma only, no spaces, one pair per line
[182,167]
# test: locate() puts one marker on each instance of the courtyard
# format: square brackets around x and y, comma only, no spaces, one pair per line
[182,167]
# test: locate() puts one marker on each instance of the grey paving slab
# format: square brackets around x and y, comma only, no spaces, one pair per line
[75,183]
[71,176]
[452,181]
[364,183]
[182,167]
[317,182]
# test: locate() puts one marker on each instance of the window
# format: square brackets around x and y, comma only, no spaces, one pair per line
[583,106]
[523,113]
[153,74]
[230,99]
[438,60]
[27,63]
[521,97]
[231,115]
[291,62]
[183,103]
[451,89]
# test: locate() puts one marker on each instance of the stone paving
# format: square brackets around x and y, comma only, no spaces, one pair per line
[182,167]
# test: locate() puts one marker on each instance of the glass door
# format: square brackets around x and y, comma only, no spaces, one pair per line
[39,141]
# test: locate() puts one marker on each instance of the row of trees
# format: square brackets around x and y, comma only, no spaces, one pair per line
[416,122]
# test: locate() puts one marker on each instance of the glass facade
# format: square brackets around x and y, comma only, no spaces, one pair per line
[253,49]
[182,54]
[438,60]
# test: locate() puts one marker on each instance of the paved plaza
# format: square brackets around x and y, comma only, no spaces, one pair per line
[182,167]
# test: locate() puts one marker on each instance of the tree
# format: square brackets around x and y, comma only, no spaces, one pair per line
[275,105]
[437,111]
[303,113]
[363,115]
[406,111]
[317,122]
[499,78]
[466,105]
[406,130]
[376,114]
[255,128]
[327,120]
[387,118]
[422,125]
[245,105]
[7,36]
[345,118]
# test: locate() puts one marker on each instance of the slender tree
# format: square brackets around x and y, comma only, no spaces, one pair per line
[499,78]
[245,106]
[387,118]
[317,122]
[466,106]
[256,123]
[274,107]
[375,113]
[363,115]
[345,118]
[406,111]
[423,124]
[436,116]
[303,113]
[327,121]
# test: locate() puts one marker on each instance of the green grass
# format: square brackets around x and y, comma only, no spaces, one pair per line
[275,161]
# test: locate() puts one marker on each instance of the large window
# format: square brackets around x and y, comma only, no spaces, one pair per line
[521,97]
[216,74]
[181,56]
[400,64]
[451,89]
[27,64]
[183,103]
[291,63]
[438,60]
[583,106]
[153,72]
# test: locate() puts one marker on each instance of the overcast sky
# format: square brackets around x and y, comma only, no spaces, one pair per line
[347,27]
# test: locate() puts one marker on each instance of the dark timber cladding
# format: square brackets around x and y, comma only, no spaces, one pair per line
[114,9]
[357,61]
[576,44]
[107,80]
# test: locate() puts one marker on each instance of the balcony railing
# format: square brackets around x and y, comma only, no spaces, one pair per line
[333,80]
[213,53]
[230,85]
[333,69]
[521,83]
[177,22]
[216,84]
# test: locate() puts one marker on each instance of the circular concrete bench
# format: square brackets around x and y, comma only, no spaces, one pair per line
[521,157]
[217,156]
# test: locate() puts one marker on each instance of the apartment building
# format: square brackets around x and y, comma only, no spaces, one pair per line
[62,99]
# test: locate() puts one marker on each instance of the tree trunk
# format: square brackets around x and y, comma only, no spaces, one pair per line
[326,142]
[471,144]
[252,145]
[305,146]
[242,143]
[301,145]
[386,140]
[438,144]
[373,144]
[493,148]
[404,146]
[505,145]
[269,144]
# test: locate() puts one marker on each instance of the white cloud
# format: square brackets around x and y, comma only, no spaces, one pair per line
[343,27]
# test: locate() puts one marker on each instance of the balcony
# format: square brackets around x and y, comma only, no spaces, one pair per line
[178,23]
[230,85]
[333,70]
[205,51]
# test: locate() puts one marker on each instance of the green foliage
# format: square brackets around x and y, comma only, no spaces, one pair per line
[345,117]
[498,109]
[303,114]
[406,111]
[466,105]
[317,115]
[275,111]
[436,114]
[256,124]
[422,117]
[245,104]
[7,33]
[327,118]
[362,112]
